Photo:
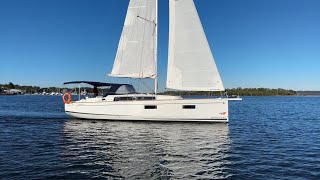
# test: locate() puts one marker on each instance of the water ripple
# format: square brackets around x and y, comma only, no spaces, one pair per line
[267,138]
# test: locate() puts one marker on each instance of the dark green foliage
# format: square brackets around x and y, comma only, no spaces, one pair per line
[11,85]
[261,92]
[308,93]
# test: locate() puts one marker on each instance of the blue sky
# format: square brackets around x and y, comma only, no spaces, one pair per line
[256,43]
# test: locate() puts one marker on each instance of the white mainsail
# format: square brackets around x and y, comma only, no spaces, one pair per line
[137,49]
[191,66]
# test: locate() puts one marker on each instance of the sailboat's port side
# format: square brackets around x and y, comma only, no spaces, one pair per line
[191,67]
[163,108]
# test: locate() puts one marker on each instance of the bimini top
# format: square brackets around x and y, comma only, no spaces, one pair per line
[113,88]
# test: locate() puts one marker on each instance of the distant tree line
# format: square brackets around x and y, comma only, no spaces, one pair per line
[37,89]
[308,93]
[238,91]
[261,92]
[231,92]
[27,89]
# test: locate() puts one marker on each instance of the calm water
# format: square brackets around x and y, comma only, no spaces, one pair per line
[267,138]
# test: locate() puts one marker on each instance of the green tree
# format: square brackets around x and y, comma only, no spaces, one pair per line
[11,85]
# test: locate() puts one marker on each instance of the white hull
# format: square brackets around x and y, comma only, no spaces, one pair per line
[202,110]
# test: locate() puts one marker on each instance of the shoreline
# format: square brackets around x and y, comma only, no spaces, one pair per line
[174,95]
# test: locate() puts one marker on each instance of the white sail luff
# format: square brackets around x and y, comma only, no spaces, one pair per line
[135,55]
[191,66]
[156,50]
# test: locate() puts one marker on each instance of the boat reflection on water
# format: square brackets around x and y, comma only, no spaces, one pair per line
[146,149]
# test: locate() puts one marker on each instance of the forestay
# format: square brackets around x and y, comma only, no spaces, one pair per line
[191,66]
[136,55]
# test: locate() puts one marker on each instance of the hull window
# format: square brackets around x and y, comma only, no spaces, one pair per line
[134,98]
[150,107]
[189,107]
[123,99]
[146,98]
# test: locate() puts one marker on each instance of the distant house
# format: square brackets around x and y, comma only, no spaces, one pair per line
[14,91]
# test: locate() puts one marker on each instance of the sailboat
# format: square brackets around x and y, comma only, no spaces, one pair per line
[191,67]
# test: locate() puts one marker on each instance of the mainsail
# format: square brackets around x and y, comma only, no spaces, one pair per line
[137,49]
[191,66]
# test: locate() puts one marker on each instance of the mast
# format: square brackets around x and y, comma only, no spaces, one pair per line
[156,51]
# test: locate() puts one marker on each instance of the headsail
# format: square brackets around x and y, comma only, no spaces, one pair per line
[136,55]
[191,66]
